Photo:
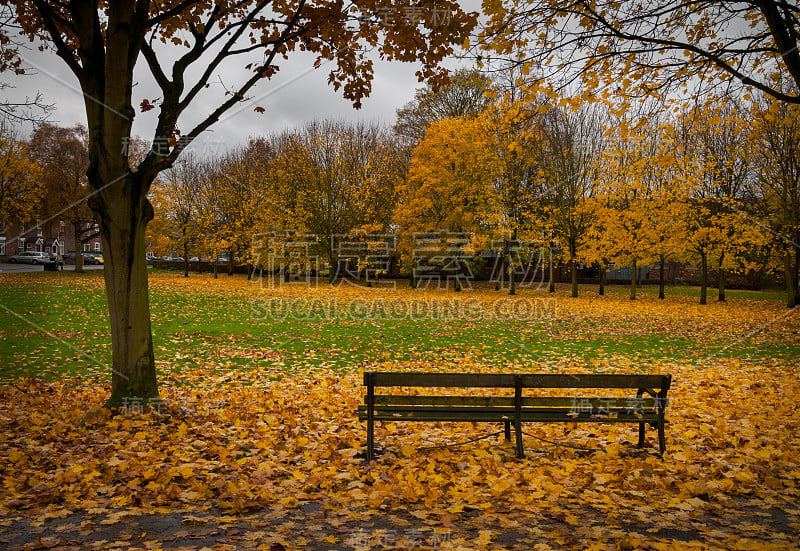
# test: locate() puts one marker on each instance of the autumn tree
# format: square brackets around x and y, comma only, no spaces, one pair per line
[64,157]
[466,94]
[572,141]
[628,197]
[722,138]
[451,184]
[776,188]
[331,178]
[640,48]
[20,180]
[176,199]
[710,153]
[183,45]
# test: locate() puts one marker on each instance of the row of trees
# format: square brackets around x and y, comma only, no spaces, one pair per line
[326,179]
[715,184]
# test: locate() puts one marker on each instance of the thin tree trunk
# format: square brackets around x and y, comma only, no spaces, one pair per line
[791,280]
[573,269]
[703,279]
[723,275]
[661,278]
[552,282]
[603,268]
[333,259]
[795,277]
[215,260]
[78,248]
[230,263]
[185,257]
[123,222]
[500,273]
[633,280]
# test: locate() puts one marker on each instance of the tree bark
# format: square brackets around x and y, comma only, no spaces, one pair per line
[633,280]
[214,261]
[512,277]
[661,278]
[552,282]
[230,263]
[791,280]
[123,220]
[185,257]
[723,275]
[603,268]
[574,271]
[703,279]
[78,248]
[500,272]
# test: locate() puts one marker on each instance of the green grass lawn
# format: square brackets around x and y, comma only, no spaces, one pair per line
[55,324]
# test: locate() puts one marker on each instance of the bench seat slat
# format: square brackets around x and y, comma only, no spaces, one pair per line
[526,416]
[530,401]
[418,413]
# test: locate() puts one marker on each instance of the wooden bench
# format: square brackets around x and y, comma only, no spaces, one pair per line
[646,407]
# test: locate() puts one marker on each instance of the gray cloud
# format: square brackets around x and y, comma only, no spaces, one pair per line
[293,97]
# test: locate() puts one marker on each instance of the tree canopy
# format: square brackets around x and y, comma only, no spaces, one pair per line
[639,48]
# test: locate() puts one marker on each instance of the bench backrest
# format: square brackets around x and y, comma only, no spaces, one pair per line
[525,380]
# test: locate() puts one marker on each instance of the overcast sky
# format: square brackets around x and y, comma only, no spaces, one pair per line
[296,95]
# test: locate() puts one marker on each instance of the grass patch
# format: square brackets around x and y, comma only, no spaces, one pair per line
[56,324]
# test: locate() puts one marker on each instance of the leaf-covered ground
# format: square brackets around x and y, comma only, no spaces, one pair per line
[258,446]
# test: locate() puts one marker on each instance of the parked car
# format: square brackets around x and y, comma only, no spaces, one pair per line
[94,258]
[30,257]
[194,259]
[69,258]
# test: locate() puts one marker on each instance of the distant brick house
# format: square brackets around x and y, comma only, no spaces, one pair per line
[56,236]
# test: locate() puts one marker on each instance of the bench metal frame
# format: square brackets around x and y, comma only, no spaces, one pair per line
[518,409]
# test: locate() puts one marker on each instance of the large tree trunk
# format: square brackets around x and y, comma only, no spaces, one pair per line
[123,221]
[661,278]
[703,278]
[633,280]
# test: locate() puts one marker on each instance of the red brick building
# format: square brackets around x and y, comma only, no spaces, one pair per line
[56,236]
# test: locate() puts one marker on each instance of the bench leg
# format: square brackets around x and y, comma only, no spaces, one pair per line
[518,437]
[662,439]
[641,435]
[508,430]
[370,440]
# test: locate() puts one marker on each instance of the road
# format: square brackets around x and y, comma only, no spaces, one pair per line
[6,268]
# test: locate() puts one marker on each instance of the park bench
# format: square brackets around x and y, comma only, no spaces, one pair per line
[646,407]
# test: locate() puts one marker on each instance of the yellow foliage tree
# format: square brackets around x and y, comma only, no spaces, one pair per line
[20,181]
